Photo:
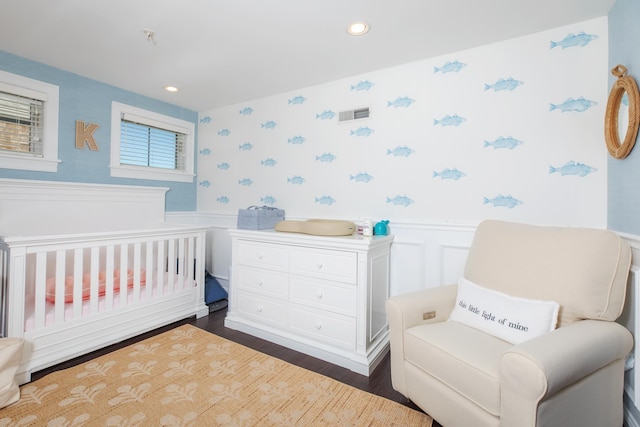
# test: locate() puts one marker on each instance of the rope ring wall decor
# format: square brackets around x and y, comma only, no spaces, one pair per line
[624,84]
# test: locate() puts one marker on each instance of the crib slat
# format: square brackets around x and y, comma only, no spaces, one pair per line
[94,269]
[191,257]
[136,273]
[61,257]
[171,271]
[182,261]
[41,289]
[109,267]
[160,267]
[149,271]
[78,258]
[124,266]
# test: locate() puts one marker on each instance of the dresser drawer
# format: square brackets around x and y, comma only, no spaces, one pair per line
[262,310]
[333,265]
[261,255]
[335,329]
[333,296]
[266,282]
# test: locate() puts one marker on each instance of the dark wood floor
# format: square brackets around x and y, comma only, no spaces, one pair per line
[379,382]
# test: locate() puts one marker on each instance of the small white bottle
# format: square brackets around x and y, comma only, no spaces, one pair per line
[367,228]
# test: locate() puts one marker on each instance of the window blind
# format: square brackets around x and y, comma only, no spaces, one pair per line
[21,126]
[150,146]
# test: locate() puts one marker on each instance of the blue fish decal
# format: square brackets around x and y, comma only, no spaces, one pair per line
[571,104]
[297,179]
[325,200]
[400,151]
[246,111]
[224,166]
[223,199]
[269,125]
[401,102]
[268,162]
[450,67]
[503,201]
[246,146]
[296,140]
[361,177]
[206,120]
[205,184]
[205,151]
[326,115]
[573,40]
[297,100]
[362,85]
[224,132]
[269,200]
[447,173]
[245,181]
[449,120]
[399,200]
[573,168]
[504,84]
[503,142]
[362,131]
[325,157]
[625,99]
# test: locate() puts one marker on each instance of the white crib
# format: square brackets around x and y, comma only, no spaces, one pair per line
[68,293]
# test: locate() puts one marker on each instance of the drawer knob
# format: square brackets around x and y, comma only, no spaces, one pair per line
[320,265]
[319,294]
[260,255]
[260,282]
[260,309]
[318,325]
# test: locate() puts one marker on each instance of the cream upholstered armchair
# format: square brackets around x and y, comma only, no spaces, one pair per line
[488,351]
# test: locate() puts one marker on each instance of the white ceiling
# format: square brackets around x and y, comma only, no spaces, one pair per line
[223,52]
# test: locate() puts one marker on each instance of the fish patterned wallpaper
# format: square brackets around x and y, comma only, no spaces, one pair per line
[512,130]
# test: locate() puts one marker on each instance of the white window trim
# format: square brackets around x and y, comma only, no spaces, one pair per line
[157,120]
[24,86]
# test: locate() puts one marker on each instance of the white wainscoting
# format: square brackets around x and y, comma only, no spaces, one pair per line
[631,319]
[422,255]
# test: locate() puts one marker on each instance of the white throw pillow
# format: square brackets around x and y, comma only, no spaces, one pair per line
[509,318]
[10,356]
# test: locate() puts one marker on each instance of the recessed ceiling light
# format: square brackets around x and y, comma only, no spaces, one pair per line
[357,28]
[170,88]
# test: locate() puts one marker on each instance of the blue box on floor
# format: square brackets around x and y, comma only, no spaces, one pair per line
[213,291]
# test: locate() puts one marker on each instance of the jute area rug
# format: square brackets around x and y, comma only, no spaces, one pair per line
[190,377]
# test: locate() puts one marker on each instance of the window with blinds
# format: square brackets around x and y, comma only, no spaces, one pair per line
[21,124]
[149,145]
[145,145]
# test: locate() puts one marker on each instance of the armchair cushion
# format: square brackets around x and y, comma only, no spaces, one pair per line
[463,357]
[512,319]
[584,270]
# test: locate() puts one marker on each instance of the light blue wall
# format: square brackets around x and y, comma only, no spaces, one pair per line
[90,101]
[624,175]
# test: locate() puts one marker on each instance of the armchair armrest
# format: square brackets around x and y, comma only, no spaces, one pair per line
[408,310]
[539,368]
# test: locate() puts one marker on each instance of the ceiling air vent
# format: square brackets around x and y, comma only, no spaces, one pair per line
[358,113]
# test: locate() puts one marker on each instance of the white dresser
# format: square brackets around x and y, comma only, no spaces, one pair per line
[323,296]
